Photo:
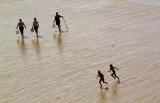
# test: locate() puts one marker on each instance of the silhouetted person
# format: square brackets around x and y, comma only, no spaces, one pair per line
[21,26]
[35,26]
[57,19]
[113,72]
[101,76]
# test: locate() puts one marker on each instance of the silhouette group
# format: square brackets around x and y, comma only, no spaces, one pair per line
[57,17]
[35,25]
[101,76]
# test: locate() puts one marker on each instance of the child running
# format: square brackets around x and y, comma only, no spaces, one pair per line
[101,76]
[113,72]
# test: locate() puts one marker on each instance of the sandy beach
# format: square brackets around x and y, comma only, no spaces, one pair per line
[63,68]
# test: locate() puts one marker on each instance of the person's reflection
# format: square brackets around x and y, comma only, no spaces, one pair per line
[36,45]
[114,89]
[21,45]
[58,39]
[102,97]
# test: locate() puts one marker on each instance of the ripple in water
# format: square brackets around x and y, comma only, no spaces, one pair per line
[149,2]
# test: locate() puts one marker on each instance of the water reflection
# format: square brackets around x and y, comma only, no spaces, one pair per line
[58,38]
[114,89]
[21,45]
[102,98]
[114,93]
[36,45]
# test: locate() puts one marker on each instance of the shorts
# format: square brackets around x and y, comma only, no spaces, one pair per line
[21,29]
[36,28]
[113,72]
[102,79]
[57,22]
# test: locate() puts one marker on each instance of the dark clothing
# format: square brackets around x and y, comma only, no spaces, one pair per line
[35,23]
[113,71]
[21,29]
[36,29]
[101,77]
[21,24]
[57,18]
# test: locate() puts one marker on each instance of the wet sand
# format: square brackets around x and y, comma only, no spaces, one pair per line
[63,68]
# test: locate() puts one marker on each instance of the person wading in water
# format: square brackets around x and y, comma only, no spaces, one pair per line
[35,26]
[21,26]
[57,19]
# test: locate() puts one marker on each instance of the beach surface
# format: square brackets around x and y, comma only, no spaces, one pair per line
[63,68]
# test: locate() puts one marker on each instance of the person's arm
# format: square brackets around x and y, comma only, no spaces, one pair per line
[32,24]
[38,23]
[116,68]
[97,76]
[17,26]
[24,25]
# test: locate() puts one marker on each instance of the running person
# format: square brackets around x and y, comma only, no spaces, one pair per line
[101,76]
[113,72]
[57,19]
[35,26]
[21,26]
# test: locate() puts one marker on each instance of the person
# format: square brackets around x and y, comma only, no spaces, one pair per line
[101,76]
[57,19]
[113,72]
[35,26]
[21,26]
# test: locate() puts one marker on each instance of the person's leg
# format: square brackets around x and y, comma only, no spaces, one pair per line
[22,34]
[116,76]
[113,75]
[21,30]
[100,83]
[59,27]
[104,81]
[36,30]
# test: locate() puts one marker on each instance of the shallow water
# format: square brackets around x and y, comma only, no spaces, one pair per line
[148,2]
[63,68]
